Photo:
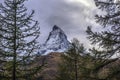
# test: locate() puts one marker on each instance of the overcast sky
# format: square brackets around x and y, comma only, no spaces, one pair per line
[73,16]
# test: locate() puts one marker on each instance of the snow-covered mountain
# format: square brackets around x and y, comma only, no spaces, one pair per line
[56,42]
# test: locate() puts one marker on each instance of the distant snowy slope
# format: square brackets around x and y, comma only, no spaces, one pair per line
[56,42]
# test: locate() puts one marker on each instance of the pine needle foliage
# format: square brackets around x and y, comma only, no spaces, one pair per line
[18,41]
[108,39]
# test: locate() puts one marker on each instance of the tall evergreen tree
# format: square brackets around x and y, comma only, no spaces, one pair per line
[69,68]
[108,39]
[18,41]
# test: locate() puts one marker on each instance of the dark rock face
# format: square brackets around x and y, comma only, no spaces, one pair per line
[55,27]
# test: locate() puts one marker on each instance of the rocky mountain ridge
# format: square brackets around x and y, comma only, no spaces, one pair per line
[56,42]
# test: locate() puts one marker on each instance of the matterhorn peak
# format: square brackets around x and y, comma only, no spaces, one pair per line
[55,27]
[56,42]
[57,34]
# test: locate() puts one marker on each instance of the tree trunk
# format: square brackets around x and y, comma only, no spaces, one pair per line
[76,72]
[14,55]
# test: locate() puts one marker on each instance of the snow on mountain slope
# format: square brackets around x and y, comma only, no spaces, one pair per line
[56,41]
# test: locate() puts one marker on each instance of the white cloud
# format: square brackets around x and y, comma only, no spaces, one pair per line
[73,16]
[85,2]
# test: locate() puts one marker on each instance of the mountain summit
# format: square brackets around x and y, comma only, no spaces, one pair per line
[56,42]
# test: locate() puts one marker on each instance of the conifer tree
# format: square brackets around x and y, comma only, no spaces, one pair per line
[69,68]
[18,41]
[108,39]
